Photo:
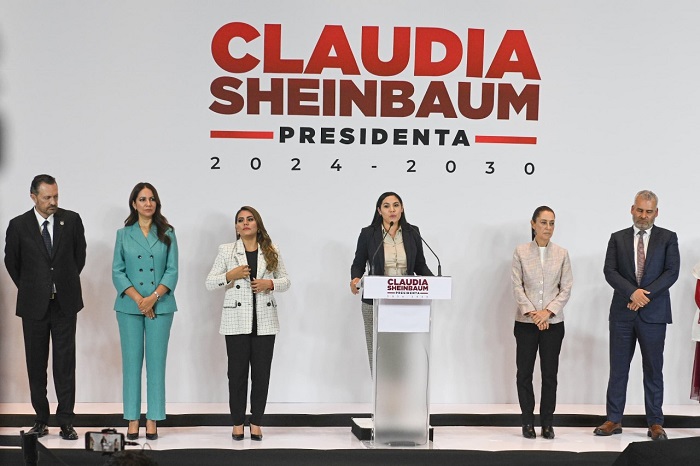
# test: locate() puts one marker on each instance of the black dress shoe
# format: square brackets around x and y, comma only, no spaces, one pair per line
[548,432]
[529,431]
[68,432]
[237,436]
[40,429]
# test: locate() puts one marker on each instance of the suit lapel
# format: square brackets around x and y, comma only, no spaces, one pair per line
[535,255]
[654,241]
[34,231]
[630,244]
[152,236]
[58,224]
[379,258]
[137,235]
[262,264]
[409,246]
[239,253]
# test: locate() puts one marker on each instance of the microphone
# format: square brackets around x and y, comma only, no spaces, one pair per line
[371,264]
[431,249]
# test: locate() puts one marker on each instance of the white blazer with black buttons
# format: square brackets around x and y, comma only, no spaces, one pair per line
[237,314]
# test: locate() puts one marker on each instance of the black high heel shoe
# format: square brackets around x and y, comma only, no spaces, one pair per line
[152,435]
[256,437]
[237,436]
[133,435]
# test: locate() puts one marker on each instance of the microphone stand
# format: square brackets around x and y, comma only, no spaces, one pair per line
[371,264]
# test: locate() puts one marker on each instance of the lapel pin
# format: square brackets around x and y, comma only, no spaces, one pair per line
[61,222]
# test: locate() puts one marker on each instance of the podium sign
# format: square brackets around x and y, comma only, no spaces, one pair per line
[402,321]
[409,287]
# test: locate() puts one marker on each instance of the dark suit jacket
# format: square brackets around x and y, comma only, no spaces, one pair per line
[660,272]
[34,272]
[370,239]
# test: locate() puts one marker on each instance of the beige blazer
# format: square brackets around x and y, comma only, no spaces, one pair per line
[237,314]
[538,285]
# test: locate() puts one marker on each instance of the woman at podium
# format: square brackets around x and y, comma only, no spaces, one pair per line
[542,282]
[251,271]
[389,246]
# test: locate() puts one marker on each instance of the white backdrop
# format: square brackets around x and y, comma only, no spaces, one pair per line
[105,94]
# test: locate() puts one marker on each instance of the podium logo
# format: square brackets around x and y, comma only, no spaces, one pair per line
[407,285]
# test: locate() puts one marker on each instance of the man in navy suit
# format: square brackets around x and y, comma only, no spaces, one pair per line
[44,254]
[641,264]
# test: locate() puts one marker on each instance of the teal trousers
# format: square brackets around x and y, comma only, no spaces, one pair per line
[140,336]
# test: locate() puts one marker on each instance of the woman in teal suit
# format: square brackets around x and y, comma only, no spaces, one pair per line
[144,272]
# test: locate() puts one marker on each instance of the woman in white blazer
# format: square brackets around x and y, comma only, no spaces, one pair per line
[251,270]
[542,281]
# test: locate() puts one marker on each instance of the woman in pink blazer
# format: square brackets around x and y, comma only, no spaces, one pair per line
[542,282]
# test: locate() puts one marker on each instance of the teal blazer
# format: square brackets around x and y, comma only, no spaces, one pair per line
[144,263]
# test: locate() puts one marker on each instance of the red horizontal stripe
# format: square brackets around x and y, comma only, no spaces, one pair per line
[505,139]
[242,135]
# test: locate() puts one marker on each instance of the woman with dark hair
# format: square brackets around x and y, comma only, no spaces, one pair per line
[250,270]
[144,272]
[401,254]
[542,281]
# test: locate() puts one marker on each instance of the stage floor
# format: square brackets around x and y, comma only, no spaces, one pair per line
[484,438]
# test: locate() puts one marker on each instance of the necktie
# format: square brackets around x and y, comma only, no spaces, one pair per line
[47,237]
[640,256]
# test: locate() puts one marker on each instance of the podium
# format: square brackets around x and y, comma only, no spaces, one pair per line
[402,321]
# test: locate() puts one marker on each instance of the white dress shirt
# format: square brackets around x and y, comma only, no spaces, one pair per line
[41,221]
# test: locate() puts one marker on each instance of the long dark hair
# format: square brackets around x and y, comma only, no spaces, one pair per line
[377,219]
[162,225]
[538,211]
[263,238]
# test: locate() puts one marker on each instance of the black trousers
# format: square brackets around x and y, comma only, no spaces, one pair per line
[244,351]
[59,329]
[529,340]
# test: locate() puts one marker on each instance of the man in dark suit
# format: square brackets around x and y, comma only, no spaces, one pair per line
[44,254]
[641,264]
